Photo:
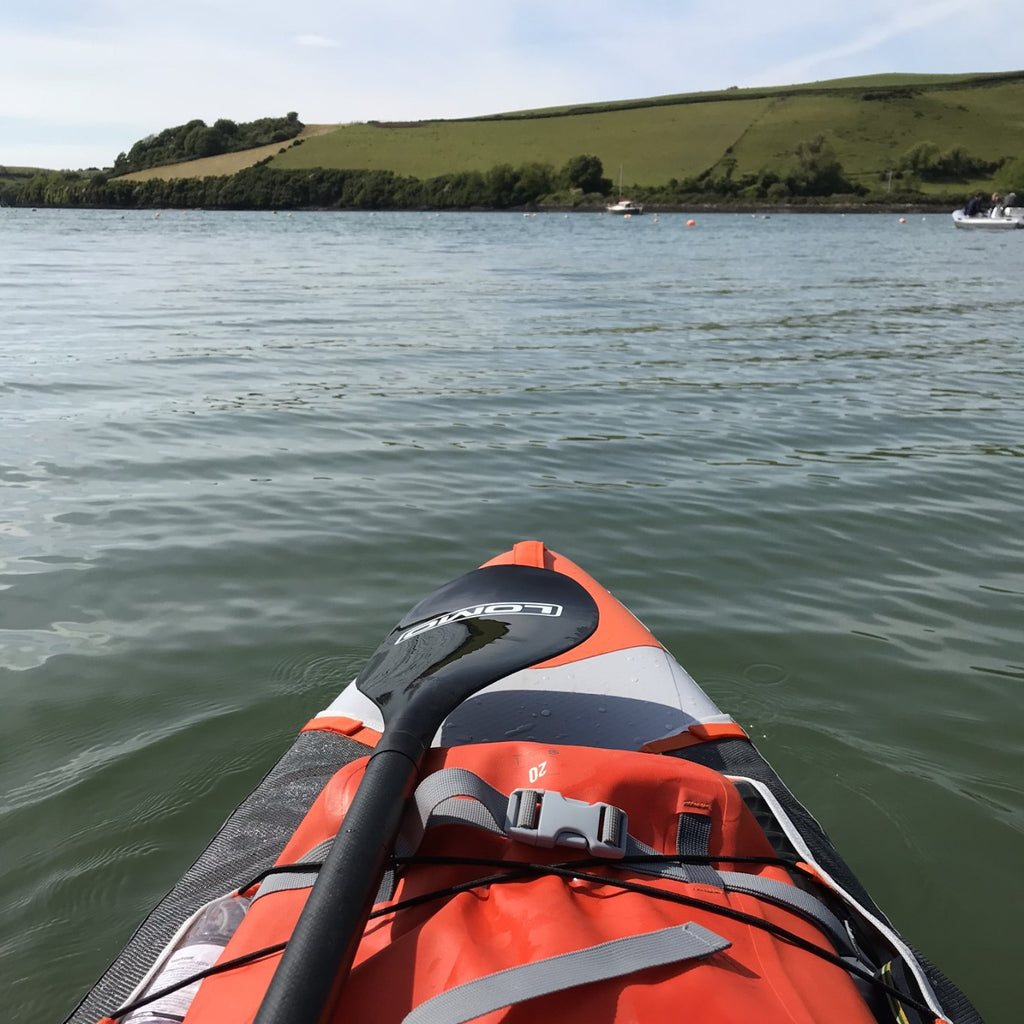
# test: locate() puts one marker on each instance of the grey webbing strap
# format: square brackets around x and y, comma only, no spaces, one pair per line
[287,881]
[452,796]
[282,881]
[439,800]
[792,898]
[613,959]
[458,796]
[693,836]
[658,868]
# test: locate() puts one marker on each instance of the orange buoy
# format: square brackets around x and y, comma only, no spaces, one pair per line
[690,223]
[903,220]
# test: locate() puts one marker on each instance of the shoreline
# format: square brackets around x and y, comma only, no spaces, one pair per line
[753,209]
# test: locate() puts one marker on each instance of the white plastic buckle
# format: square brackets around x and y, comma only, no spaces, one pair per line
[543,817]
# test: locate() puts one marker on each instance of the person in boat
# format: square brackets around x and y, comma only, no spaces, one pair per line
[995,208]
[975,206]
[1010,199]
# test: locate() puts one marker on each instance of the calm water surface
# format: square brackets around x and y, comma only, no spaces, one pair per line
[236,448]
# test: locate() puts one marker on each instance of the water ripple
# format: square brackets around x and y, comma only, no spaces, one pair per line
[238,447]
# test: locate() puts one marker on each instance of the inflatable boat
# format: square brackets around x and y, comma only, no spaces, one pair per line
[522,809]
[1009,218]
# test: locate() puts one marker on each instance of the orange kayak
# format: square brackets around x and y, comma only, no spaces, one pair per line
[523,808]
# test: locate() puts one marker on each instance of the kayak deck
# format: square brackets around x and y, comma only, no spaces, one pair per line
[620,689]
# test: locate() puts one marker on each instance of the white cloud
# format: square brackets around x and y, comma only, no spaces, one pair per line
[893,24]
[59,156]
[123,70]
[316,41]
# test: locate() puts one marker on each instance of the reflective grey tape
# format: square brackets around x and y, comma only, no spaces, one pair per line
[613,959]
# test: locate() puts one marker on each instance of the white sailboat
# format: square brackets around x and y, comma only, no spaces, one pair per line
[625,207]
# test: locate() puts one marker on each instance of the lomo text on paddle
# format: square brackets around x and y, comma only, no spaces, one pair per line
[477,611]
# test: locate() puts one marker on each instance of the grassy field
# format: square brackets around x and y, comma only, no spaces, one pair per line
[652,144]
[869,121]
[870,136]
[11,173]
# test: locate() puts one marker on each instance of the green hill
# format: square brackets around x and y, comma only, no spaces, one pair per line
[909,139]
[870,122]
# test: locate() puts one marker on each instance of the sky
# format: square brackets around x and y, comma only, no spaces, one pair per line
[82,80]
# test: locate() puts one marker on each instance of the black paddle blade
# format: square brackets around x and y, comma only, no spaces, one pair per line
[471,632]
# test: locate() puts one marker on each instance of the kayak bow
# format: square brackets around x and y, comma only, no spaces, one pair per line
[524,807]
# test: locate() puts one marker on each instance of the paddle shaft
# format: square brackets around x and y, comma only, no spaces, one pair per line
[475,630]
[319,954]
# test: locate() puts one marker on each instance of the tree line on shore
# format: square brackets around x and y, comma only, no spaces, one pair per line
[196,139]
[814,176]
[262,187]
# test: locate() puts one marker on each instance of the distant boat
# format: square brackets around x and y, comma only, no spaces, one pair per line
[624,206]
[1001,219]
